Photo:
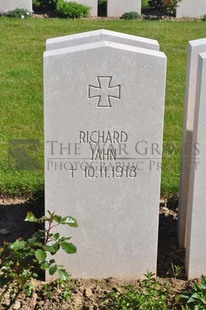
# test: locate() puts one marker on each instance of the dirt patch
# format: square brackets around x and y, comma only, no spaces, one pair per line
[85,295]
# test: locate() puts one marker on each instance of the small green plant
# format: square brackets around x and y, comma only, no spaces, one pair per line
[21,261]
[151,294]
[156,4]
[196,298]
[71,9]
[170,6]
[145,4]
[176,270]
[204,18]
[18,13]
[149,275]
[44,4]
[167,6]
[131,15]
[62,287]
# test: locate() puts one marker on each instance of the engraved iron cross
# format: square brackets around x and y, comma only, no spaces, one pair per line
[104,91]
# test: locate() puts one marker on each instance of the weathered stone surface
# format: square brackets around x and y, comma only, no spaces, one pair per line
[99,35]
[93,4]
[195,244]
[9,5]
[194,48]
[104,105]
[191,8]
[123,6]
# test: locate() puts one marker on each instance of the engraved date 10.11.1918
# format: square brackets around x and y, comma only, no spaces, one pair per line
[105,172]
[110,172]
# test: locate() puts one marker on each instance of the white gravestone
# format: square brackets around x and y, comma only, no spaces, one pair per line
[191,8]
[92,4]
[115,9]
[194,48]
[104,106]
[196,245]
[10,5]
[99,35]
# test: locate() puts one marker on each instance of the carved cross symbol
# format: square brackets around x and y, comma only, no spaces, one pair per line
[104,91]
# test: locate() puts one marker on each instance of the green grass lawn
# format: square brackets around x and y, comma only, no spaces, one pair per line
[22,43]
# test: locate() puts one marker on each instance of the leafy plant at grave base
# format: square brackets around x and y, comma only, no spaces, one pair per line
[131,15]
[176,270]
[196,298]
[168,6]
[18,13]
[61,286]
[44,4]
[150,295]
[21,261]
[204,18]
[156,4]
[144,4]
[71,9]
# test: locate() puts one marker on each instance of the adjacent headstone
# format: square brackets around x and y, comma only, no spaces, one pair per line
[194,48]
[99,35]
[191,8]
[123,6]
[196,245]
[93,4]
[104,106]
[10,5]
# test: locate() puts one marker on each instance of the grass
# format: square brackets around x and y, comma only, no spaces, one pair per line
[153,294]
[21,88]
[150,295]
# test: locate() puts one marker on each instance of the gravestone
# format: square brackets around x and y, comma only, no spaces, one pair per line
[191,8]
[195,244]
[123,6]
[104,105]
[99,35]
[194,48]
[10,5]
[93,4]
